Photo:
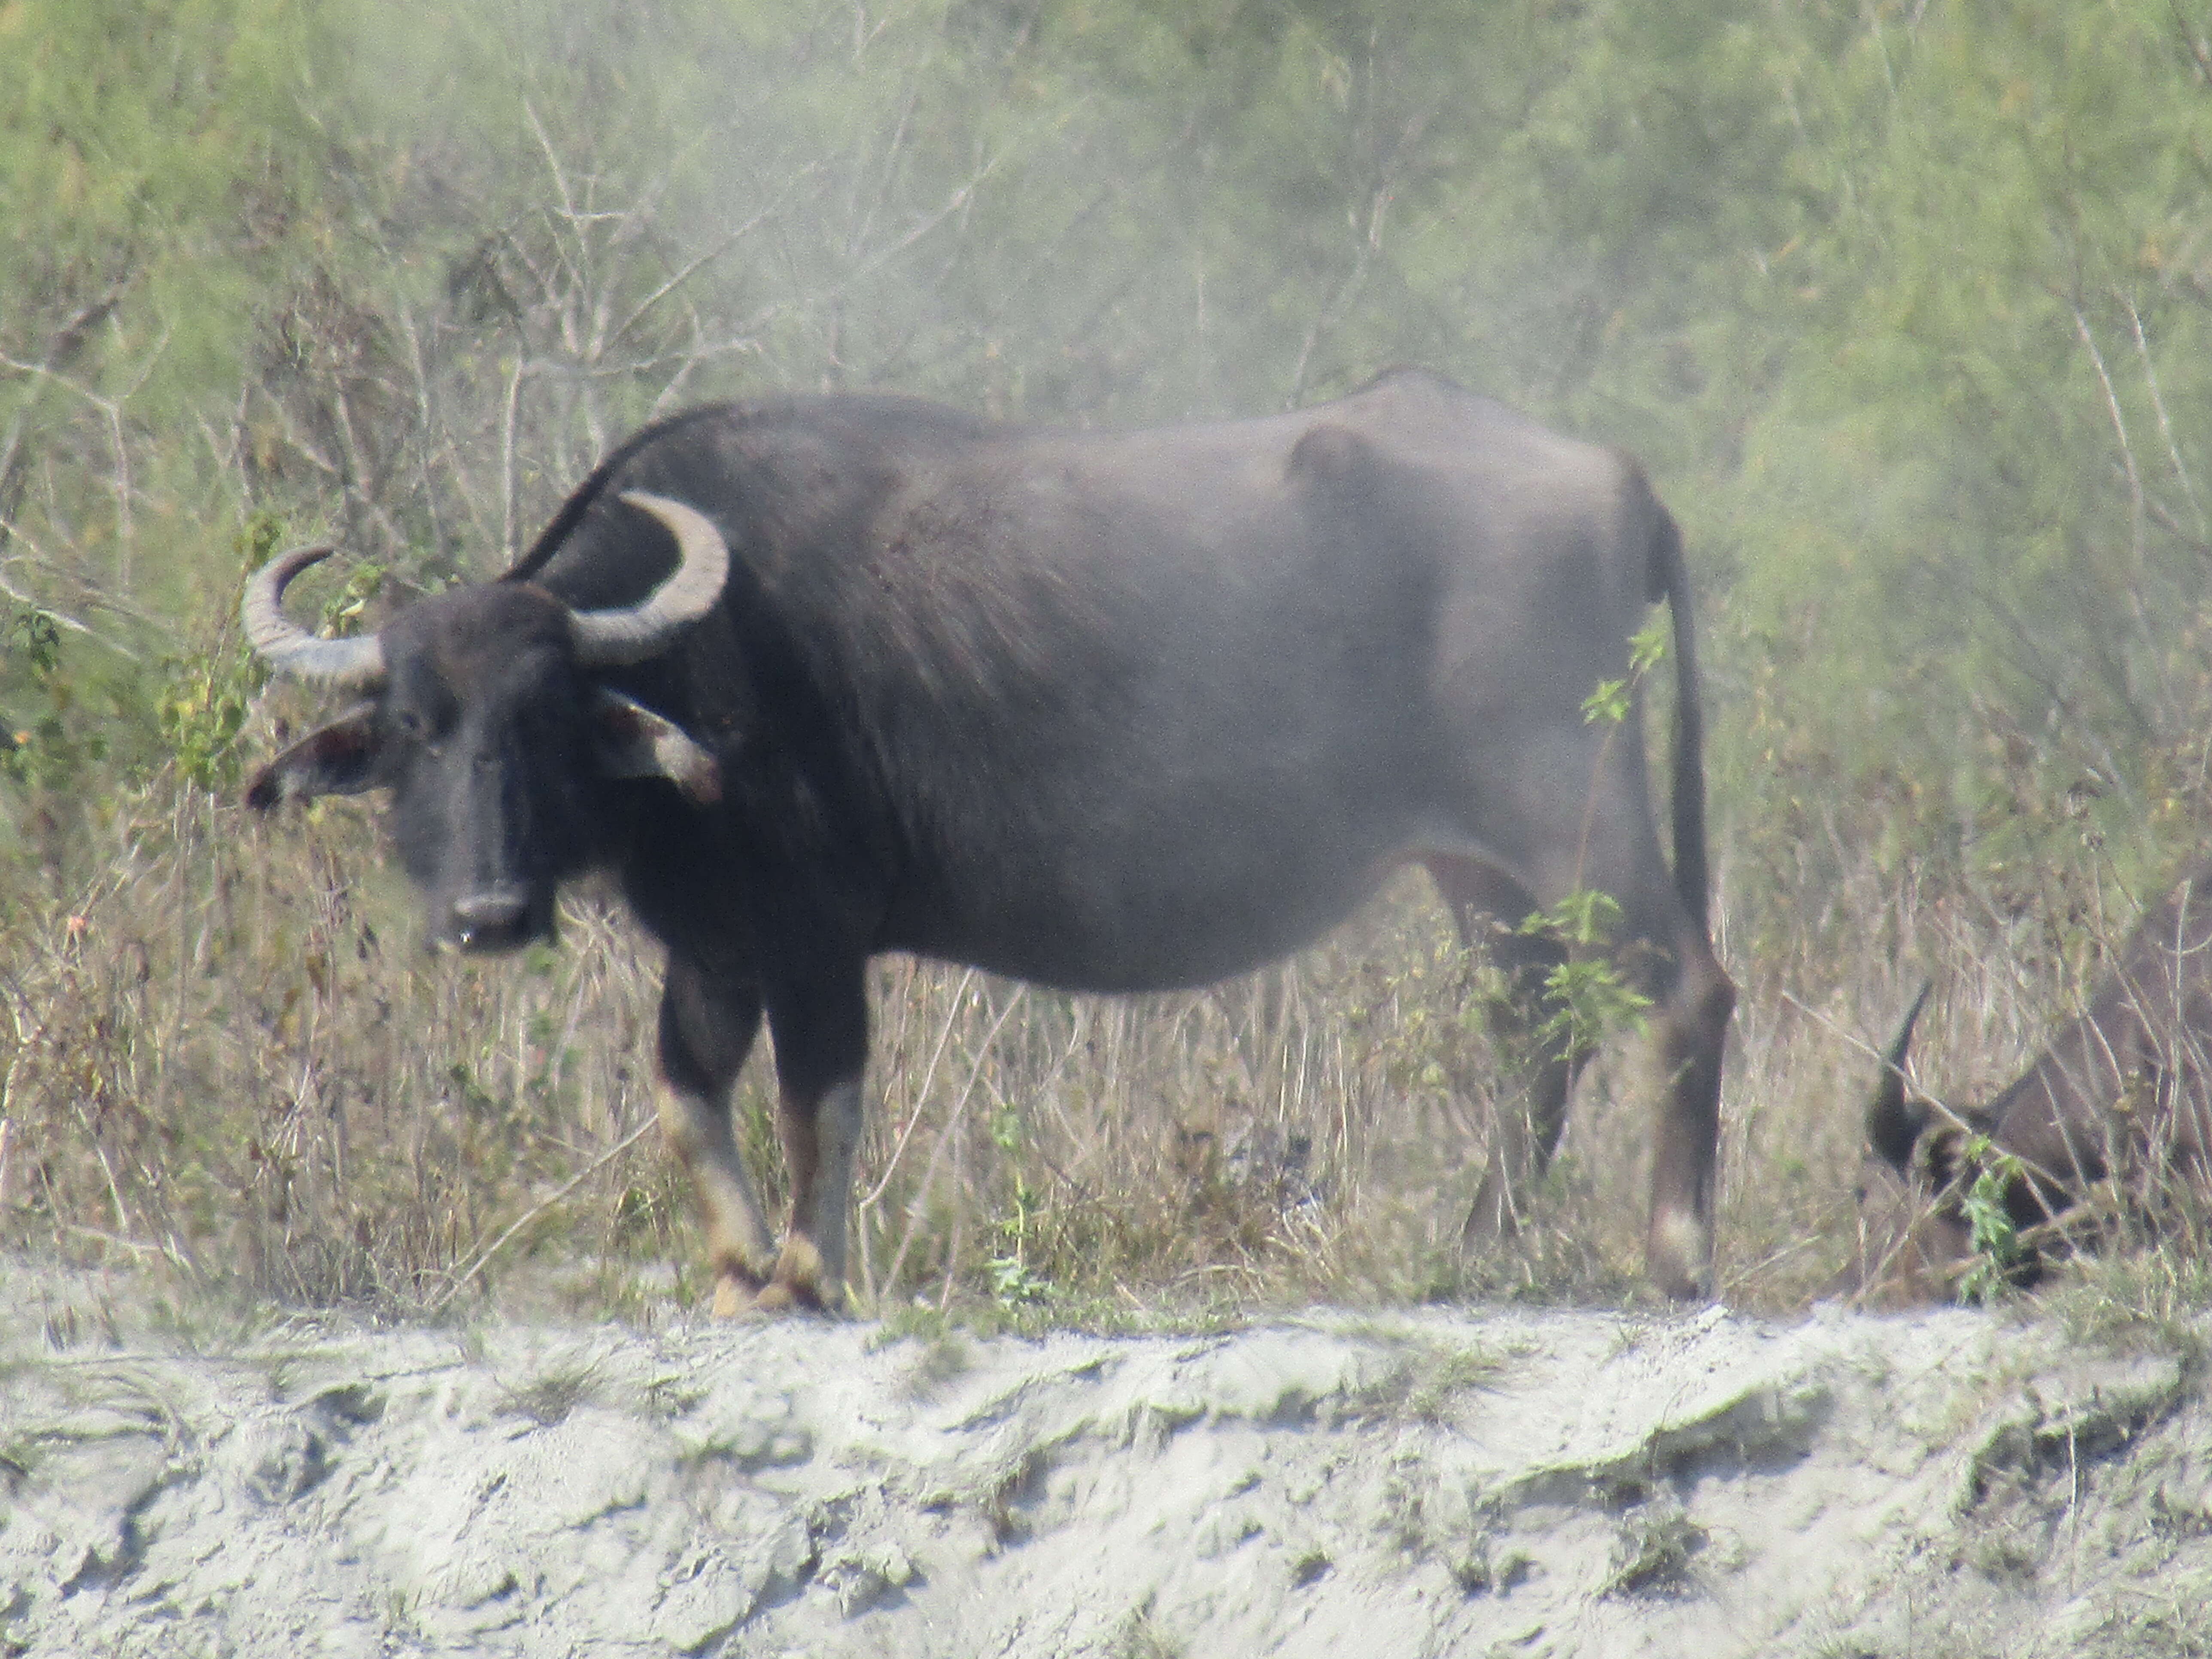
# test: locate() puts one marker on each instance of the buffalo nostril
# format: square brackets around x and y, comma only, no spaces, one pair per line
[490,912]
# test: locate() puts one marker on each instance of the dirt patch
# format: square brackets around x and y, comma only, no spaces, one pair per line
[1490,1480]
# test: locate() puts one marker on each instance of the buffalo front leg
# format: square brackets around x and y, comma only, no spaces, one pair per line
[821,1051]
[706,1029]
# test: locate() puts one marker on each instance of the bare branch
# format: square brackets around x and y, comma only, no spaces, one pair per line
[890,171]
[298,440]
[61,352]
[482,1258]
[865,33]
[2119,425]
[31,602]
[952,205]
[2192,43]
[362,486]
[225,454]
[552,162]
[90,595]
[2134,477]
[692,267]
[425,419]
[506,478]
[2158,405]
[111,408]
[2161,516]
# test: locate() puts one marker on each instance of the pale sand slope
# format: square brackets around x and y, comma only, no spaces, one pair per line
[1481,1481]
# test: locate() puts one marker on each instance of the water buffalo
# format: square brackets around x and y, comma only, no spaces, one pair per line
[2120,1094]
[1112,711]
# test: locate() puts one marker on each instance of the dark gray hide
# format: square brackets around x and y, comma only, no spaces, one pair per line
[1111,711]
[2119,1094]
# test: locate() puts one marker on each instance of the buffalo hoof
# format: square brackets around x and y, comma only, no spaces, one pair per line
[736,1293]
[1679,1257]
[801,1281]
[777,1298]
[782,1296]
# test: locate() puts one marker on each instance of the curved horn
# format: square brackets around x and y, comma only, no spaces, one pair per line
[1892,1124]
[609,639]
[355,663]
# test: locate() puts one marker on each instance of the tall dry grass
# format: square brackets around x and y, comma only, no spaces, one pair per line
[229,1057]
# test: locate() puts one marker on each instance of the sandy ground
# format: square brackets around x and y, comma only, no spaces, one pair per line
[1505,1481]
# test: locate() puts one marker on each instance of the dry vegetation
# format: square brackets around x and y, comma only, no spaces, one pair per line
[414,315]
[230,1056]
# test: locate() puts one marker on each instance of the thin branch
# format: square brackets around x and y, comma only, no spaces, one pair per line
[95,599]
[293,435]
[2165,520]
[2134,477]
[1370,246]
[921,1093]
[552,162]
[948,1134]
[2192,43]
[30,602]
[693,266]
[425,411]
[889,177]
[68,341]
[112,410]
[482,1258]
[2158,406]
[360,485]
[953,204]
[126,525]
[507,479]
[2120,426]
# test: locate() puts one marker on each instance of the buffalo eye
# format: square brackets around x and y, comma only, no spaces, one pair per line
[418,731]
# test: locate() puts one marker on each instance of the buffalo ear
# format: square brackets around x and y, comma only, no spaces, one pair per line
[630,741]
[343,758]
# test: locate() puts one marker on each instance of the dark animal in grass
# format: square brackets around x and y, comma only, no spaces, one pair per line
[820,677]
[2116,1102]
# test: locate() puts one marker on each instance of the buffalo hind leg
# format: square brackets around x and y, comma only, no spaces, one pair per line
[706,1029]
[1660,948]
[1693,1032]
[821,1052]
[1489,906]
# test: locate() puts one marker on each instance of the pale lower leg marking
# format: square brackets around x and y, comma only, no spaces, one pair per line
[698,1133]
[813,1257]
[1686,1151]
[1683,1244]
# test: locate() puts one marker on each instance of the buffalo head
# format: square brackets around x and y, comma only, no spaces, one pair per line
[481,712]
[1931,1176]
[1914,1239]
